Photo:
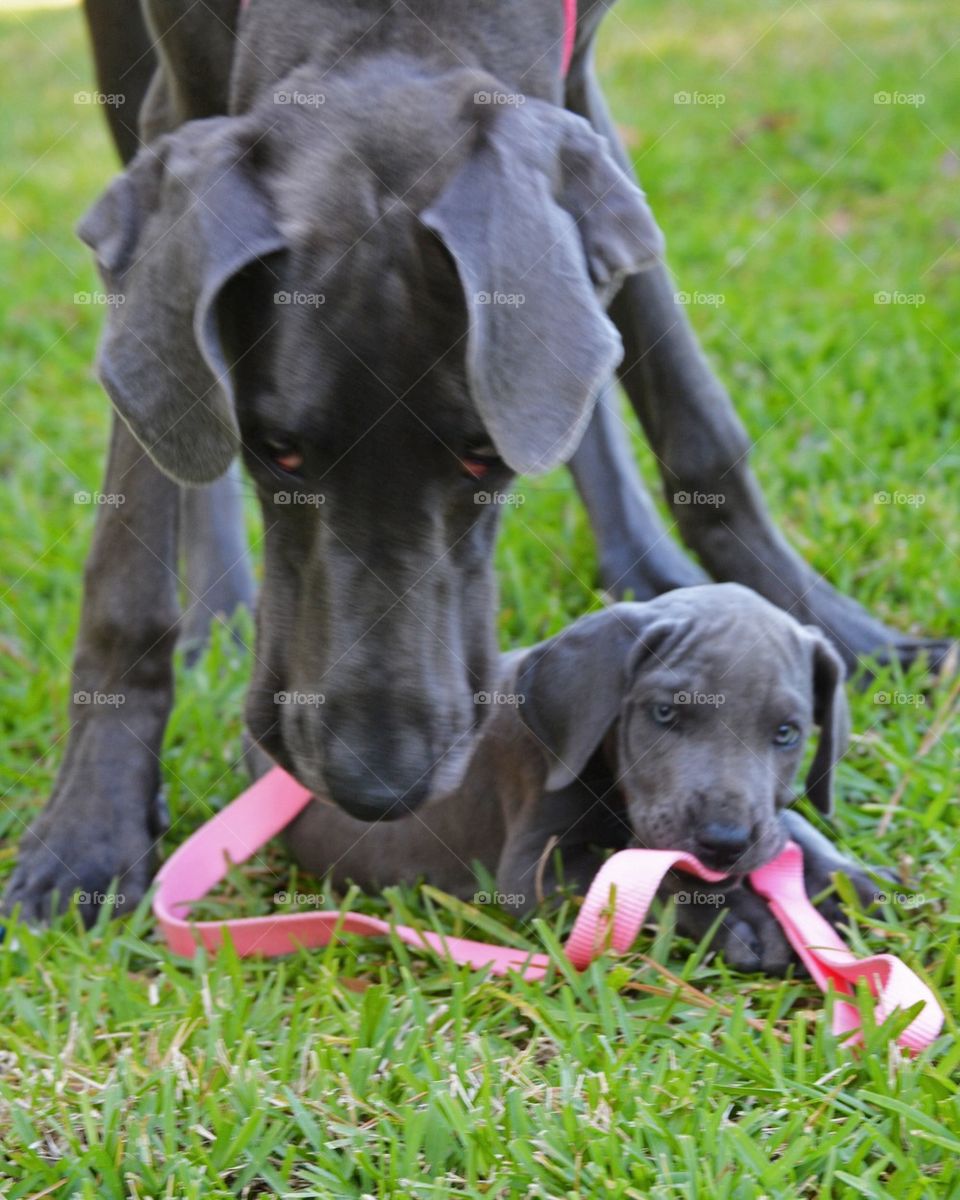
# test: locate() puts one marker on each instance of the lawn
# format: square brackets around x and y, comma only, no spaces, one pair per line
[816,229]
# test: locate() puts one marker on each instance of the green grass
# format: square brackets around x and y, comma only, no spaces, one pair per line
[365,1070]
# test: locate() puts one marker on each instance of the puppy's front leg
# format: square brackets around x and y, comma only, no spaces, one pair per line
[572,822]
[822,860]
[438,844]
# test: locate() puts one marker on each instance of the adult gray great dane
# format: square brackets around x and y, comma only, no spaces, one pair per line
[410,169]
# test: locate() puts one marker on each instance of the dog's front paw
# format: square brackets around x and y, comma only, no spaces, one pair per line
[869,884]
[749,936]
[103,857]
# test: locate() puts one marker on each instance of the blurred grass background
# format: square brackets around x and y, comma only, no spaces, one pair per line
[795,197]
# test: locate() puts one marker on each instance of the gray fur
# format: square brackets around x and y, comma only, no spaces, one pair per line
[573,758]
[390,161]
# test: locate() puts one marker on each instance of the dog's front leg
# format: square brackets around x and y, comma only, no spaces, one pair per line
[215,557]
[636,553]
[822,860]
[702,449]
[102,820]
[571,825]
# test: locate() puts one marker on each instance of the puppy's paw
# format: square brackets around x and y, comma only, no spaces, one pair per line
[749,937]
[869,884]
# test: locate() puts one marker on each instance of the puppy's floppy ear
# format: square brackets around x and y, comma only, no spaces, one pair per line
[574,684]
[832,714]
[169,234]
[543,226]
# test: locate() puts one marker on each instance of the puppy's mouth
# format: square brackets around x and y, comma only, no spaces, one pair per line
[735,868]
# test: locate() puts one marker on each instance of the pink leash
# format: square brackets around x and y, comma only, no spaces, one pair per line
[611,916]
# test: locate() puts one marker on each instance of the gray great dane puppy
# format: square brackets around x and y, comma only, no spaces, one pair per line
[404,175]
[679,723]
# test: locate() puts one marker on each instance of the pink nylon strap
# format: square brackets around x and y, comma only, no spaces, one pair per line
[829,961]
[569,33]
[611,916]
[569,30]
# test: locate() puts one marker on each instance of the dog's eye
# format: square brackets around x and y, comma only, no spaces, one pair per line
[664,714]
[786,735]
[285,456]
[478,461]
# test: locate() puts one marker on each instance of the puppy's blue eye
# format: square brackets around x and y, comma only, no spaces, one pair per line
[786,735]
[664,714]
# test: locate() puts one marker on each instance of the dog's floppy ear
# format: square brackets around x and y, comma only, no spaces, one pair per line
[543,226]
[831,713]
[574,685]
[169,234]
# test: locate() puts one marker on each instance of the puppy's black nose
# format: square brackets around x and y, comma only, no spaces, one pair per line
[723,843]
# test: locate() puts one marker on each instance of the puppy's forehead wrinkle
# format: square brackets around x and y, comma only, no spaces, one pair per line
[725,626]
[674,644]
[719,600]
[766,682]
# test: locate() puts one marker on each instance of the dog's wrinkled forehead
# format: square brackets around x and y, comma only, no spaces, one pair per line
[363,148]
[360,273]
[727,634]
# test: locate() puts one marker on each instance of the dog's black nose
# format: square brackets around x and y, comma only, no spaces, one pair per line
[723,843]
[359,792]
